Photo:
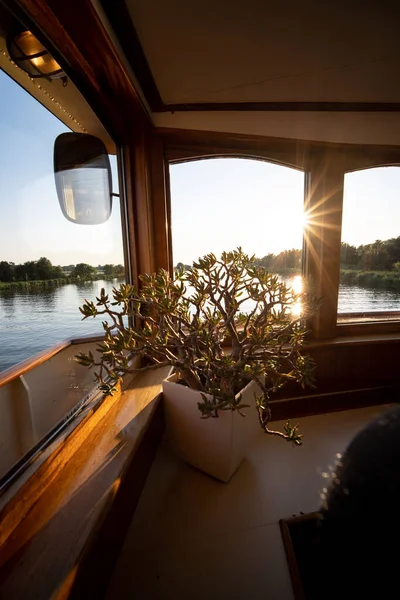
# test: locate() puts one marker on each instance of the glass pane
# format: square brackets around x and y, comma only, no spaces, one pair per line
[222,203]
[370,253]
[86,195]
[47,264]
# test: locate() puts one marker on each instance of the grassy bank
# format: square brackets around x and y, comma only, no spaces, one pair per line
[33,285]
[381,280]
[39,284]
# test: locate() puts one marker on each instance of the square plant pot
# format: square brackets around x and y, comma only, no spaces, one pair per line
[216,446]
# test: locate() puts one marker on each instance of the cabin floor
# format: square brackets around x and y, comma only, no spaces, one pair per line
[194,537]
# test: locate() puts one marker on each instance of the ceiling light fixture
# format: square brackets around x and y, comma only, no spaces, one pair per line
[32,57]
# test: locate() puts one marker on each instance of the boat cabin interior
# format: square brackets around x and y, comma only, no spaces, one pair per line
[94,502]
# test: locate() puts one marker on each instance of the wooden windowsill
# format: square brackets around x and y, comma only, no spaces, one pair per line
[46,540]
[356,340]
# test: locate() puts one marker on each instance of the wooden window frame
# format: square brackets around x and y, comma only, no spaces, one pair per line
[324,165]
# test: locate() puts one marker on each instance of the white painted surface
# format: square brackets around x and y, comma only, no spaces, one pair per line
[31,405]
[270,51]
[215,446]
[339,127]
[194,537]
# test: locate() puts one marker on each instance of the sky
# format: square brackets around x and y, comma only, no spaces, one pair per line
[217,204]
[31,221]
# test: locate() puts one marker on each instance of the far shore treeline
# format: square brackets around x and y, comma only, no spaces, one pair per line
[375,265]
[41,273]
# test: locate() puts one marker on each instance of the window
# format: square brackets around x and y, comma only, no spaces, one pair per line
[221,203]
[47,264]
[370,249]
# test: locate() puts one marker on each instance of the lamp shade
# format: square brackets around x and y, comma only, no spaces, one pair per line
[32,57]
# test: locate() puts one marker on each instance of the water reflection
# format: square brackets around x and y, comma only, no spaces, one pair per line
[353,299]
[31,321]
[38,300]
[7,303]
[297,285]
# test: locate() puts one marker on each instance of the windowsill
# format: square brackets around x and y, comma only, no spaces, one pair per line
[374,326]
[368,317]
[358,338]
[60,507]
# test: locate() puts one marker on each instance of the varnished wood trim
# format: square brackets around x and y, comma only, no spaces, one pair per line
[121,21]
[213,138]
[16,509]
[160,208]
[379,328]
[137,168]
[105,544]
[362,338]
[284,107]
[184,145]
[290,554]
[94,463]
[322,239]
[318,404]
[74,33]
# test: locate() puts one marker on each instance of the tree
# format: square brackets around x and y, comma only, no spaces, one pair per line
[43,269]
[393,249]
[57,273]
[119,270]
[83,271]
[6,271]
[27,271]
[180,267]
[114,270]
[348,255]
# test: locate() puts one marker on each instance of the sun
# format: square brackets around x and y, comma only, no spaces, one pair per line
[306,219]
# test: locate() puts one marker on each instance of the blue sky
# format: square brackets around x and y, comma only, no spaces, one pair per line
[31,222]
[216,204]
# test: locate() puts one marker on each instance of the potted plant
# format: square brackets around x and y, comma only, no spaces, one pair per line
[233,334]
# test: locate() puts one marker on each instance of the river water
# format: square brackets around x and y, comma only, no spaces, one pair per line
[33,321]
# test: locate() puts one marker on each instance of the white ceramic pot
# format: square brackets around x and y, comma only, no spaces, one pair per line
[216,446]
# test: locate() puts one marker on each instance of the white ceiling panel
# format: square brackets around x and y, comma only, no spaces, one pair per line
[267,51]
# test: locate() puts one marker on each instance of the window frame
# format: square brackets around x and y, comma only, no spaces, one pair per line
[324,166]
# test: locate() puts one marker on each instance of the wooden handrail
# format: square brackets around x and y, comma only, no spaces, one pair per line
[38,359]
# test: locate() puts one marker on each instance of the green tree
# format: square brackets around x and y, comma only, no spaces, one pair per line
[6,271]
[83,271]
[266,261]
[57,273]
[179,267]
[26,272]
[43,269]
[392,247]
[348,255]
[119,270]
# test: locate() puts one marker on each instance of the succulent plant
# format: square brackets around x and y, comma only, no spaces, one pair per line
[220,324]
